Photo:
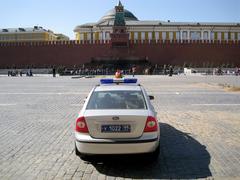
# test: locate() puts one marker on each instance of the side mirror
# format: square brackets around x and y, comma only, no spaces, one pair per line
[151,97]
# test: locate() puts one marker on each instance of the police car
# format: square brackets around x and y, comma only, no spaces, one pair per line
[117,118]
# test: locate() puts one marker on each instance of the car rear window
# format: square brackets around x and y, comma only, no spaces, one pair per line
[117,100]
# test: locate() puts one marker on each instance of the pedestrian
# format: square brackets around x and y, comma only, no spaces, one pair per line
[118,74]
[54,72]
[170,71]
[133,71]
[29,73]
[165,69]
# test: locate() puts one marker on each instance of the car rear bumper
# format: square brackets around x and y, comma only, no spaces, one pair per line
[145,144]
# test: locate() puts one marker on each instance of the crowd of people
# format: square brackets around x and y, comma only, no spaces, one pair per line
[147,70]
[141,70]
[16,72]
[220,71]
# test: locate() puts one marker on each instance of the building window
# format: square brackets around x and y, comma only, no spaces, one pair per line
[153,35]
[170,35]
[195,35]
[77,36]
[96,36]
[81,36]
[178,35]
[212,34]
[86,36]
[150,35]
[107,35]
[232,36]
[236,36]
[157,35]
[143,36]
[139,36]
[135,35]
[184,35]
[216,36]
[205,35]
[132,36]
[163,35]
[222,36]
[226,36]
[167,36]
[146,36]
[160,36]
[229,36]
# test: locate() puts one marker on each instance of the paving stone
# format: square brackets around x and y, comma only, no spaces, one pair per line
[199,124]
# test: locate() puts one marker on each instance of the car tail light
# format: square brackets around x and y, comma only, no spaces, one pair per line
[81,125]
[151,124]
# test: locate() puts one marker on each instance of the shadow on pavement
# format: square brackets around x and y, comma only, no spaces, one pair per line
[181,157]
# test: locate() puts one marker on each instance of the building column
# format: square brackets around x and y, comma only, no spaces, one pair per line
[103,37]
[181,36]
[209,36]
[188,35]
[202,35]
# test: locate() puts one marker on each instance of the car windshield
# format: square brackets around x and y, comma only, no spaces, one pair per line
[117,100]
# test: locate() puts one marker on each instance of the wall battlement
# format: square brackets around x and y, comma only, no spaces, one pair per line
[107,42]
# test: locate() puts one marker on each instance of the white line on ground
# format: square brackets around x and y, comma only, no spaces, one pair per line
[187,93]
[8,104]
[215,104]
[76,105]
[46,93]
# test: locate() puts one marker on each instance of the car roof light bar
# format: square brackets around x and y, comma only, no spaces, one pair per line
[124,81]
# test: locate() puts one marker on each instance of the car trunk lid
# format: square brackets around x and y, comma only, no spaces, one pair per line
[116,123]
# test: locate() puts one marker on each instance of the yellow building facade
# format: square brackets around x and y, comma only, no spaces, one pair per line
[29,34]
[157,30]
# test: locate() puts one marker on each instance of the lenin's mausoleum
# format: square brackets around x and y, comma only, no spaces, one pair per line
[121,38]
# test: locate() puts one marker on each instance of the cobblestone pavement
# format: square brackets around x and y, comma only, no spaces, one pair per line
[200,130]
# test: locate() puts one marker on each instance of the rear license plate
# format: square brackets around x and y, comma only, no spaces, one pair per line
[115,128]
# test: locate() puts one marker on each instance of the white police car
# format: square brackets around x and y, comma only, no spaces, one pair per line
[117,118]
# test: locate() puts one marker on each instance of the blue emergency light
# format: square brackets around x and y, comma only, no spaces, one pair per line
[121,80]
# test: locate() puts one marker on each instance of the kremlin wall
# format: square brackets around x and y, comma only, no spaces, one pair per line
[120,36]
[72,53]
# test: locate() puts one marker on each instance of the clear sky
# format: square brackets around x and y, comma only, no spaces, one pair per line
[62,16]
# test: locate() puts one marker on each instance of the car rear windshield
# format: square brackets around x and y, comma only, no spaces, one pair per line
[117,100]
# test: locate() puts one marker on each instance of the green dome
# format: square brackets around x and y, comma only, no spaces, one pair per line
[110,15]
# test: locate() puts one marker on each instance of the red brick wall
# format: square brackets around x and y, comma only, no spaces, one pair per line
[70,53]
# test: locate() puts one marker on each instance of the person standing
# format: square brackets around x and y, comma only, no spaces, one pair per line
[54,72]
[133,70]
[170,71]
[118,74]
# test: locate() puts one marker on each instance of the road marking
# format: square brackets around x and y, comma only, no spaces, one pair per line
[188,93]
[47,93]
[8,104]
[85,93]
[215,104]
[76,105]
